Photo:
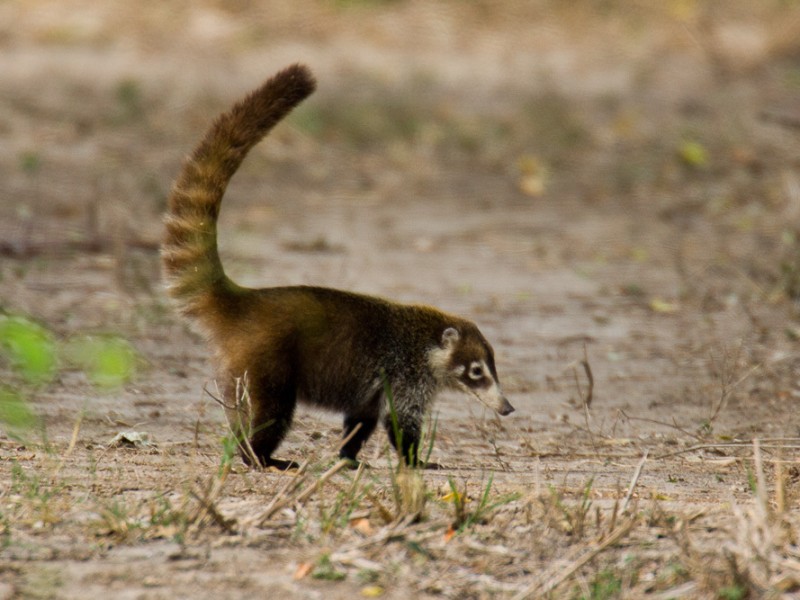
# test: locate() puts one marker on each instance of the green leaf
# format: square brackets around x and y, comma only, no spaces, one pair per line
[108,361]
[693,154]
[30,348]
[16,416]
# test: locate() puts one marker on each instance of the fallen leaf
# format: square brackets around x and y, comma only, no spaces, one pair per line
[452,497]
[618,442]
[639,254]
[662,306]
[362,526]
[303,569]
[533,175]
[448,535]
[131,439]
[163,532]
[693,154]
[372,591]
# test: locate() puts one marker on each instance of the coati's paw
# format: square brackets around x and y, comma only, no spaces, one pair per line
[275,464]
[351,463]
[432,466]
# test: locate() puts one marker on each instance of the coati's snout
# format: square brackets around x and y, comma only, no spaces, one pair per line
[506,408]
[492,397]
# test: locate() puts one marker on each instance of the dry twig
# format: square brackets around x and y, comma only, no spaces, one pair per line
[284,498]
[673,425]
[636,474]
[726,445]
[586,399]
[558,575]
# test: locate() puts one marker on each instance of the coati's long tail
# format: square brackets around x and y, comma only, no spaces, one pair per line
[191,264]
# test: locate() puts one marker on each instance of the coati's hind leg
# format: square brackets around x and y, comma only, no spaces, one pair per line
[358,429]
[272,418]
[272,410]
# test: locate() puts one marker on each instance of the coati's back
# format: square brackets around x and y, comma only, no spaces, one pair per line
[333,342]
[191,263]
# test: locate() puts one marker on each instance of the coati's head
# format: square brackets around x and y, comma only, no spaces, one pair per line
[464,360]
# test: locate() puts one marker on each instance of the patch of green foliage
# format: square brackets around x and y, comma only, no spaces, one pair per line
[326,570]
[34,356]
[733,592]
[606,584]
[130,100]
[16,416]
[30,162]
[108,361]
[464,518]
[29,347]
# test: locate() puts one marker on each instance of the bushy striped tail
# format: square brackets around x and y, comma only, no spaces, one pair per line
[191,264]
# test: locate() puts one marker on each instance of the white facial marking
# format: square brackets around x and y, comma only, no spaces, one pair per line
[491,397]
[439,362]
[477,369]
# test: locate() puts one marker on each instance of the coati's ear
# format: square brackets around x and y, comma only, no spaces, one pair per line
[449,337]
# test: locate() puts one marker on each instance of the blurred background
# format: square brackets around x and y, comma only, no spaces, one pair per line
[605,186]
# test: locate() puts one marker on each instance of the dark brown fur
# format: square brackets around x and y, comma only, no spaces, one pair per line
[322,346]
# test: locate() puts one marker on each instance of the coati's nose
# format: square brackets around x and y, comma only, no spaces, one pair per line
[505,408]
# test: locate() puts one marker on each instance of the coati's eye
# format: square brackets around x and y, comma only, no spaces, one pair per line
[476,371]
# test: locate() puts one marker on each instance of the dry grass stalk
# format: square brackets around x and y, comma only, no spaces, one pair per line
[317,485]
[410,492]
[559,573]
[74,438]
[673,425]
[618,527]
[586,399]
[724,369]
[289,494]
[634,480]
[241,427]
[569,519]
[762,552]
[760,559]
[76,429]
[207,499]
[728,445]
[288,488]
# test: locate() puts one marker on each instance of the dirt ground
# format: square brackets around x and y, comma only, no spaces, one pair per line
[609,188]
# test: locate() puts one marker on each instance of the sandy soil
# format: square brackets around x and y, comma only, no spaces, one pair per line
[615,185]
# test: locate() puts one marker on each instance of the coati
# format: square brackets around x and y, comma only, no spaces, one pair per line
[329,348]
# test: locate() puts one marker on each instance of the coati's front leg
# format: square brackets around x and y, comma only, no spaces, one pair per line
[359,423]
[358,437]
[408,428]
